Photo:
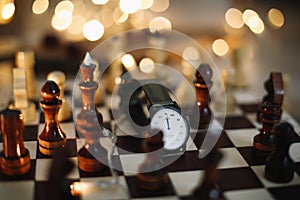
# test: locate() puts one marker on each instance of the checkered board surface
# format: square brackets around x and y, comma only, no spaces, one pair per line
[240,174]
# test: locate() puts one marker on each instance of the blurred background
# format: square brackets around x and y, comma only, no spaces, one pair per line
[248,38]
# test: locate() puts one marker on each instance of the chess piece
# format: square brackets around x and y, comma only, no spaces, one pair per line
[202,85]
[59,78]
[21,101]
[26,60]
[90,122]
[279,165]
[275,91]
[263,142]
[15,158]
[208,188]
[237,60]
[152,175]
[228,104]
[52,137]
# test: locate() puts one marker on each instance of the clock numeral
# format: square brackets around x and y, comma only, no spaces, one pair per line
[172,115]
[178,119]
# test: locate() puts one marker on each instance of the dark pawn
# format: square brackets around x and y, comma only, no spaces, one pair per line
[202,85]
[152,175]
[52,137]
[279,166]
[208,190]
[263,143]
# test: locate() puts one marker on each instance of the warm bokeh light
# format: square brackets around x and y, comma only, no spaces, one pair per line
[276,17]
[61,21]
[256,25]
[40,6]
[119,16]
[145,4]
[190,53]
[128,61]
[64,6]
[93,30]
[131,6]
[8,11]
[234,18]
[100,2]
[146,65]
[220,47]
[247,14]
[118,80]
[159,24]
[76,26]
[160,5]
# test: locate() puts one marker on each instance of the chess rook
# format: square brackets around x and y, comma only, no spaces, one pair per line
[52,137]
[59,78]
[279,165]
[202,85]
[90,122]
[152,175]
[263,142]
[15,158]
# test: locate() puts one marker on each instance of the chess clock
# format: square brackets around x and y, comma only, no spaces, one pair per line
[166,115]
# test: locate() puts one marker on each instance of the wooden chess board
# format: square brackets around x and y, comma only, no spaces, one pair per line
[240,174]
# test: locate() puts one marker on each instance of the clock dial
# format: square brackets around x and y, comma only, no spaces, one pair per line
[173,125]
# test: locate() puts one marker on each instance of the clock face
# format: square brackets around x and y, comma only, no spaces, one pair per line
[173,126]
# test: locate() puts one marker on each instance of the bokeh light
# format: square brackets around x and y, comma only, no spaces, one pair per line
[160,5]
[159,24]
[130,7]
[220,47]
[61,21]
[146,4]
[190,53]
[40,6]
[146,65]
[234,18]
[128,61]
[100,2]
[64,6]
[247,14]
[276,17]
[8,11]
[93,30]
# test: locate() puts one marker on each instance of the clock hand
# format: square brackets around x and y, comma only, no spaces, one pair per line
[168,123]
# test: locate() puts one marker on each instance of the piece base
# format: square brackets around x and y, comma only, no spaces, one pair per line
[15,166]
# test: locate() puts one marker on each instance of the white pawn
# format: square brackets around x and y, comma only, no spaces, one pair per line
[21,101]
[26,60]
[59,78]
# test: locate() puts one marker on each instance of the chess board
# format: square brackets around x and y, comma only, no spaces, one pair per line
[240,174]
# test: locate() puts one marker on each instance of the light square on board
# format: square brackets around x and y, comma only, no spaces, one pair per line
[242,137]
